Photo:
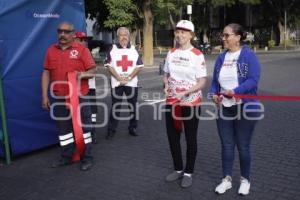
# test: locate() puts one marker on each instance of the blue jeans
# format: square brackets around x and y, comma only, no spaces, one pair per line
[236,132]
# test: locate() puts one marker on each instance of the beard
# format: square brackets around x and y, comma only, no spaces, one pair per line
[124,42]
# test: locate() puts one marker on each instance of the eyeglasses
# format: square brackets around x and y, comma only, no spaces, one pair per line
[60,31]
[226,35]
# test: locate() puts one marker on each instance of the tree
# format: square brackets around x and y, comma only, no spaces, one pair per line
[203,10]
[140,14]
[276,15]
[120,13]
[127,13]
[147,32]
[169,11]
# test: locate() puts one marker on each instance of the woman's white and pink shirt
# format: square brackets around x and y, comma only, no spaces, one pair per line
[184,68]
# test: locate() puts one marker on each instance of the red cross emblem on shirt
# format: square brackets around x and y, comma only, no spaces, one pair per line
[124,63]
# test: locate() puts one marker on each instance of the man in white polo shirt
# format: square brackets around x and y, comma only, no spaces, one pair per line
[124,64]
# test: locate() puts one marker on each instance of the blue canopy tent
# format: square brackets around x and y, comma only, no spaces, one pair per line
[27,28]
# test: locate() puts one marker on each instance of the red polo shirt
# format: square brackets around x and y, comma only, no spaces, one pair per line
[59,62]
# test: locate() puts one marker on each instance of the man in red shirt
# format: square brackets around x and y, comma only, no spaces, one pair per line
[61,58]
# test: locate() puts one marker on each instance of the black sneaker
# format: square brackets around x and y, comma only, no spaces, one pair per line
[86,165]
[61,162]
[174,176]
[187,181]
[132,132]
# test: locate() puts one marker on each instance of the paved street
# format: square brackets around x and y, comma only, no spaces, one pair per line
[133,168]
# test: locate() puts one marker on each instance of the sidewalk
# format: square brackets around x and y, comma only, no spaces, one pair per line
[164,52]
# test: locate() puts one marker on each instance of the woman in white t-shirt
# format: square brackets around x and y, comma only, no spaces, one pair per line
[185,76]
[236,76]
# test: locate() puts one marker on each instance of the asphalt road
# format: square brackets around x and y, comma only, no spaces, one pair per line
[133,168]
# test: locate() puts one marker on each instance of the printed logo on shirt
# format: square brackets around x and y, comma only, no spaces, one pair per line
[184,59]
[229,63]
[176,87]
[242,69]
[74,54]
[180,61]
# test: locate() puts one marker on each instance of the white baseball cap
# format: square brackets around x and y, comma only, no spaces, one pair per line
[185,25]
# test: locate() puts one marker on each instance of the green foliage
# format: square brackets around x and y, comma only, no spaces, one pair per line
[121,13]
[163,10]
[251,2]
[114,13]
[217,3]
[271,43]
[276,9]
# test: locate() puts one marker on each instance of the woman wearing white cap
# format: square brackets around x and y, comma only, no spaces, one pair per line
[185,76]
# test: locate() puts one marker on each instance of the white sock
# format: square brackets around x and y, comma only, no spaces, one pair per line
[179,172]
[186,174]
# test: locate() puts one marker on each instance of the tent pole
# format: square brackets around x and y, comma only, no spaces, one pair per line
[4,125]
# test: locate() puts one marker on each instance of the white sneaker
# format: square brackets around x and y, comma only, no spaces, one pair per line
[224,185]
[244,187]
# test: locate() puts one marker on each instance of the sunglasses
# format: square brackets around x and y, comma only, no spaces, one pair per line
[60,31]
[226,35]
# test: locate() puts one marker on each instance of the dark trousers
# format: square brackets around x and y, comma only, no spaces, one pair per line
[94,110]
[131,94]
[190,130]
[65,128]
[236,132]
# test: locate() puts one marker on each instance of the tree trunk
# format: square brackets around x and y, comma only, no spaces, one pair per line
[139,40]
[133,36]
[281,32]
[205,36]
[282,35]
[148,33]
[173,24]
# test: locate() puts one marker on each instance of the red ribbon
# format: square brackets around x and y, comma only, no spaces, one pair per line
[177,118]
[177,113]
[264,97]
[76,115]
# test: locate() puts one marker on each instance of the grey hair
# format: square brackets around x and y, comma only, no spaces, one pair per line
[67,23]
[123,29]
